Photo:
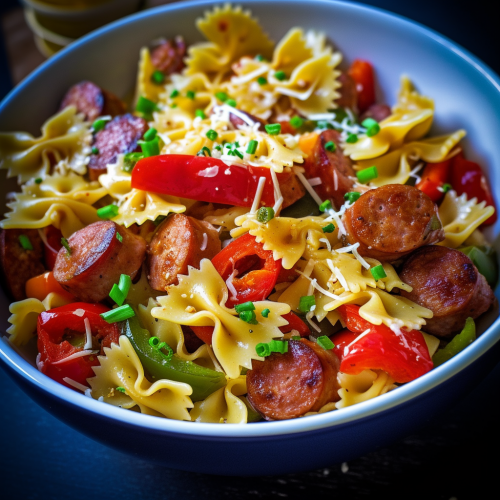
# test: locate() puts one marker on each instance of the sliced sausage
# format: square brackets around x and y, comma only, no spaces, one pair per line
[288,385]
[168,57]
[348,93]
[119,136]
[237,122]
[332,167]
[446,282]
[378,112]
[291,188]
[17,264]
[97,260]
[180,241]
[391,221]
[92,101]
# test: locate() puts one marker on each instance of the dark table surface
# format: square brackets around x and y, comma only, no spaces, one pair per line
[454,457]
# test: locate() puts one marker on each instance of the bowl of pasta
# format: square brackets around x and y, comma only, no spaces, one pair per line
[242,230]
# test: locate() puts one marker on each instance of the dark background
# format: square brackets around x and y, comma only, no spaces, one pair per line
[452,458]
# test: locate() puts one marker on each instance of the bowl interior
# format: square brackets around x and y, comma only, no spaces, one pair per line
[466,94]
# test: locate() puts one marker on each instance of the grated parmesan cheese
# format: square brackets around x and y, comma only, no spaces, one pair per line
[75,355]
[315,181]
[75,384]
[229,283]
[258,195]
[204,242]
[308,187]
[79,312]
[209,171]
[88,332]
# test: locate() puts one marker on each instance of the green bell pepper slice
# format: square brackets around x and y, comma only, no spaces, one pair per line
[484,259]
[457,344]
[203,381]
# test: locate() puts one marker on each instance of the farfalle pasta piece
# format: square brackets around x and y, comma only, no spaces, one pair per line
[460,217]
[116,181]
[225,217]
[395,167]
[198,300]
[409,99]
[139,206]
[145,86]
[64,202]
[285,236]
[224,406]
[378,306]
[232,34]
[65,136]
[366,385]
[121,367]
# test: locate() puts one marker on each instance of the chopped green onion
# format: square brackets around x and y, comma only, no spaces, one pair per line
[321,124]
[259,58]
[330,146]
[157,77]
[273,128]
[296,121]
[262,80]
[446,187]
[352,139]
[248,317]
[306,302]
[263,350]
[174,94]
[325,342]
[265,313]
[130,160]
[117,295]
[367,174]
[231,102]
[378,272]
[99,124]
[237,153]
[218,148]
[159,220]
[190,94]
[38,180]
[246,306]
[252,147]
[204,151]
[122,389]
[150,148]
[173,106]
[295,337]
[280,75]
[108,212]
[329,228]
[25,242]
[278,346]
[369,122]
[326,205]
[155,343]
[372,127]
[199,113]
[352,196]
[125,283]
[212,135]
[119,314]
[95,151]
[222,96]
[65,244]
[119,237]
[265,214]
[145,106]
[150,134]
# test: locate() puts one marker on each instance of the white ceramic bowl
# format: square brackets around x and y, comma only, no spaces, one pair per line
[467,94]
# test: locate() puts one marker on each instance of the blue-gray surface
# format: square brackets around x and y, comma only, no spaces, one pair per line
[41,457]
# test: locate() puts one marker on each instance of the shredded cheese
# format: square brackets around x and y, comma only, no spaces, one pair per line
[258,195]
[308,187]
[79,312]
[277,190]
[229,283]
[78,354]
[75,384]
[327,243]
[309,316]
[340,277]
[88,332]
[315,181]
[320,288]
[204,242]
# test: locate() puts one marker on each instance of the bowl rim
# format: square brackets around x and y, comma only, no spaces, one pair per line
[12,357]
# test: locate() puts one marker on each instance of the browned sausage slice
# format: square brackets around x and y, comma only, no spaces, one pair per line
[288,385]
[378,112]
[180,241]
[348,93]
[168,57]
[92,101]
[17,264]
[97,260]
[119,136]
[391,221]
[446,282]
[291,188]
[332,167]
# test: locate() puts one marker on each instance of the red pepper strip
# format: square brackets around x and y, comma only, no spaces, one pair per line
[433,178]
[52,245]
[203,179]
[295,323]
[362,73]
[57,326]
[467,177]
[204,333]
[404,357]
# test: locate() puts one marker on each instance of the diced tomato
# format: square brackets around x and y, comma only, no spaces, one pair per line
[404,356]
[62,333]
[434,176]
[362,73]
[467,177]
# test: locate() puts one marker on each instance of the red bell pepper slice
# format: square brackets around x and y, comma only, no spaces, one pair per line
[362,73]
[61,333]
[468,177]
[434,176]
[295,323]
[204,179]
[52,245]
[404,357]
